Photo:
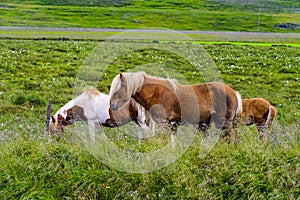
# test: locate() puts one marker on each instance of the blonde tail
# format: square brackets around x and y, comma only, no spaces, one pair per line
[240,105]
[271,116]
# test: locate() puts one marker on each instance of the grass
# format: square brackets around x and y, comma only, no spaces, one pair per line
[34,166]
[200,15]
[33,71]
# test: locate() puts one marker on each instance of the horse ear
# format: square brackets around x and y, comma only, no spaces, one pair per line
[121,75]
[53,119]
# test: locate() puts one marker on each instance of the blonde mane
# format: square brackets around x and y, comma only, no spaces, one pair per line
[134,82]
[174,84]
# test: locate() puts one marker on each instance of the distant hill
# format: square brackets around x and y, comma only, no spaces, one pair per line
[271,5]
[216,15]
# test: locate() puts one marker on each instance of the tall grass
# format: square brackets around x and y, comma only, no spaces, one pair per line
[38,167]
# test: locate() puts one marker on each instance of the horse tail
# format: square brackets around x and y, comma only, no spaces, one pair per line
[271,116]
[240,104]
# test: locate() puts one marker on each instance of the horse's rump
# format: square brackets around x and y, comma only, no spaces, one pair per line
[258,111]
[216,101]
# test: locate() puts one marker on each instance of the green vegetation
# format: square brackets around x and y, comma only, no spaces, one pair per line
[209,4]
[44,64]
[182,15]
[34,167]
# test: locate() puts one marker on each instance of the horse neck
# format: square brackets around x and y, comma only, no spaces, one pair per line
[137,112]
[80,101]
[145,96]
[63,110]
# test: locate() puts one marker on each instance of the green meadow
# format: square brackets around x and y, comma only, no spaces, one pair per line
[41,65]
[34,166]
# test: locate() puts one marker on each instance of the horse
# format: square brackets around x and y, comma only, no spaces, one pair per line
[92,108]
[174,104]
[260,112]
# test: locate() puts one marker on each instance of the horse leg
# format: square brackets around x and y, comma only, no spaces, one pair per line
[99,129]
[221,125]
[151,125]
[173,138]
[228,128]
[163,128]
[204,126]
[91,126]
[204,129]
[173,125]
[227,133]
[140,133]
[262,131]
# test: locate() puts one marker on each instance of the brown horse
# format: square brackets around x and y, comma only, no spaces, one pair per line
[170,102]
[92,108]
[260,112]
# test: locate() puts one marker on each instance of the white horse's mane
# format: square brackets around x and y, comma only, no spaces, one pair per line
[135,81]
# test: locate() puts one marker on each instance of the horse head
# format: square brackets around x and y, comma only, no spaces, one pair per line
[57,124]
[123,87]
[118,92]
[60,120]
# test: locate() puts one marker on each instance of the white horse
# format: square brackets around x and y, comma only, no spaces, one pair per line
[92,107]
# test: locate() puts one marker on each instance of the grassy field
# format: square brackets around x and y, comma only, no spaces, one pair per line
[35,167]
[37,65]
[200,15]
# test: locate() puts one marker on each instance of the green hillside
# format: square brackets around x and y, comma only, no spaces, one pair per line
[276,16]
[210,4]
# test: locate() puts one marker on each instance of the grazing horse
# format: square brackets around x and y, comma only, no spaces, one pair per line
[172,103]
[260,112]
[92,108]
